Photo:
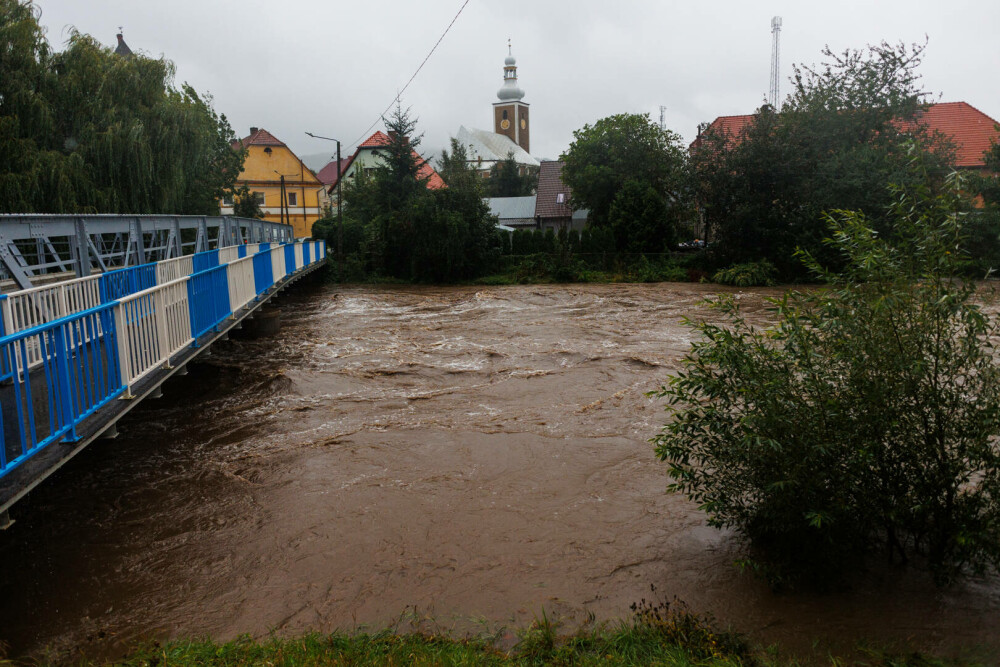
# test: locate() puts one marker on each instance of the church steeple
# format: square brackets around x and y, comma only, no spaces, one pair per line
[510,90]
[510,114]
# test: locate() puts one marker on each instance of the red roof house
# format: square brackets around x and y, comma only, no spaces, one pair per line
[366,157]
[970,129]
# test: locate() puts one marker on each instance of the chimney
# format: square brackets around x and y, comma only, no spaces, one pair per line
[253,131]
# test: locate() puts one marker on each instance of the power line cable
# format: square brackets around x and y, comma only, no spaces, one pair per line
[364,135]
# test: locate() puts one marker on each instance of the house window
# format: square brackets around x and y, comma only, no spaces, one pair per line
[293,198]
[259,198]
[227,200]
[561,198]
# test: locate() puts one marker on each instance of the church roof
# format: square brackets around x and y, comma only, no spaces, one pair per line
[491,147]
[122,48]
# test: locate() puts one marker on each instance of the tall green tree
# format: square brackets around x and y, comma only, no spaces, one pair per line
[413,233]
[846,132]
[91,131]
[625,148]
[507,180]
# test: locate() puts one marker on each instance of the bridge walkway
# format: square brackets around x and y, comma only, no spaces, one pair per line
[81,353]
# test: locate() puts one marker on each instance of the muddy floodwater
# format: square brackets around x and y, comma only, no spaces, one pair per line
[477,454]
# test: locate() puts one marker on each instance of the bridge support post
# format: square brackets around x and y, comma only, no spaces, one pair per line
[5,520]
[110,433]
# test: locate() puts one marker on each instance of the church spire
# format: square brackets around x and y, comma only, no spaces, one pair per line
[510,91]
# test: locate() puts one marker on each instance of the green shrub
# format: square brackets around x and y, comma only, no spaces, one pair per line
[865,419]
[751,274]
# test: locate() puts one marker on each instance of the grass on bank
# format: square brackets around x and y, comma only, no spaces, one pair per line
[664,634]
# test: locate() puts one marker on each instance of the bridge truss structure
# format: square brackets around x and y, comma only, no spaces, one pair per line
[77,354]
[35,245]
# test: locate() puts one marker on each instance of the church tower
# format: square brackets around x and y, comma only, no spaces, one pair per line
[510,114]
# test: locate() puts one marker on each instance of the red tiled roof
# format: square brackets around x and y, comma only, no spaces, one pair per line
[259,137]
[550,186]
[970,129]
[425,171]
[378,139]
[329,174]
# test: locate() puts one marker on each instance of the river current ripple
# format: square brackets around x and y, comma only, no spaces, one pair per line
[477,454]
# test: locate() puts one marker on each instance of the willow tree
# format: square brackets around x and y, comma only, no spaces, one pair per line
[88,130]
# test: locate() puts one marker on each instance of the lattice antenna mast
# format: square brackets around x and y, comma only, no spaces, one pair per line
[663,118]
[774,97]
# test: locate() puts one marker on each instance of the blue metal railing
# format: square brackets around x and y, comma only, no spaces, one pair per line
[208,300]
[204,260]
[122,282]
[81,368]
[263,276]
[79,373]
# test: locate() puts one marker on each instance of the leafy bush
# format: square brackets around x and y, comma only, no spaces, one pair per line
[865,419]
[751,274]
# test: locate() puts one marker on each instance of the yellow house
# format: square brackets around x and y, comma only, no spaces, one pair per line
[268,159]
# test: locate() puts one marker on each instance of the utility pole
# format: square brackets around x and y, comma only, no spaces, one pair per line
[340,209]
[340,219]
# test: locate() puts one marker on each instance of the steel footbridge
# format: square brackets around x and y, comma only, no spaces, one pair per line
[104,309]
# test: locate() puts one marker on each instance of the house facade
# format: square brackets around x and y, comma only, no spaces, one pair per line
[366,159]
[268,160]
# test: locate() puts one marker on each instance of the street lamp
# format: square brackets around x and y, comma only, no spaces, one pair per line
[340,208]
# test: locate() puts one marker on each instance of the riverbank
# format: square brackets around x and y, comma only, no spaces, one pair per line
[666,635]
[625,646]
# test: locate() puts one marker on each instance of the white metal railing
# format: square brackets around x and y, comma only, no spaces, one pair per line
[229,254]
[172,269]
[278,263]
[152,325]
[38,305]
[242,290]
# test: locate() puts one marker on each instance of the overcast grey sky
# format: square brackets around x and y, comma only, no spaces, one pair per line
[332,66]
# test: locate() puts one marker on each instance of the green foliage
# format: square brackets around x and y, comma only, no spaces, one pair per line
[639,219]
[87,130]
[245,205]
[751,274]
[629,153]
[838,142]
[506,179]
[401,230]
[865,419]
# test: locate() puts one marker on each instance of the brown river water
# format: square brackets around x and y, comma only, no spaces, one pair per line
[476,454]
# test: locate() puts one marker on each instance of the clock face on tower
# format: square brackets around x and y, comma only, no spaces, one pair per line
[505,124]
[524,123]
